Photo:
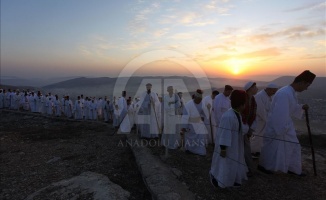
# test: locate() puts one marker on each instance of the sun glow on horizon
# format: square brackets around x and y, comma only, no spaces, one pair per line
[235,66]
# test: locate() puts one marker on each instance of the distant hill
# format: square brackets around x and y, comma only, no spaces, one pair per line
[36,82]
[319,82]
[103,86]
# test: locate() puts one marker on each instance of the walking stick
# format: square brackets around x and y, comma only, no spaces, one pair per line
[210,122]
[158,127]
[310,141]
[117,128]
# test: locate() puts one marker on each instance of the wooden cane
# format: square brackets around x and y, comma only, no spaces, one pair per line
[210,124]
[311,144]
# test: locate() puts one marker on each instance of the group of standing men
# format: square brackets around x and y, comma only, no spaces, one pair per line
[241,123]
[260,124]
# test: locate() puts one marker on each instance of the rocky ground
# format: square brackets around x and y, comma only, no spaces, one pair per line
[195,170]
[37,151]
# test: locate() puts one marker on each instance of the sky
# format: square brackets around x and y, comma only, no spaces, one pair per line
[259,39]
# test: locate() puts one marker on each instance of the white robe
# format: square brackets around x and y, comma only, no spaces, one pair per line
[124,116]
[171,136]
[57,107]
[148,115]
[231,169]
[277,154]
[16,101]
[195,137]
[6,100]
[12,100]
[49,106]
[86,109]
[38,104]
[210,119]
[68,108]
[106,110]
[131,114]
[93,111]
[26,105]
[78,110]
[263,106]
[221,104]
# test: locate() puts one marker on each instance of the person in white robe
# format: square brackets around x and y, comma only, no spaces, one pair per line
[12,99]
[44,104]
[2,99]
[131,112]
[116,116]
[171,138]
[77,110]
[32,102]
[228,167]
[86,108]
[106,109]
[63,106]
[49,105]
[148,121]
[221,104]
[82,102]
[22,99]
[26,105]
[38,102]
[16,100]
[263,100]
[281,150]
[93,110]
[57,106]
[193,127]
[249,119]
[7,99]
[210,119]
[99,105]
[124,123]
[68,107]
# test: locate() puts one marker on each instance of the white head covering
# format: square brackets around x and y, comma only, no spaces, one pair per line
[272,85]
[248,85]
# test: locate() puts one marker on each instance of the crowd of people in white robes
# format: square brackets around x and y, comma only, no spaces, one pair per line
[243,124]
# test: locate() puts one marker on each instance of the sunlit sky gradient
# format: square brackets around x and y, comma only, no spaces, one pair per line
[226,38]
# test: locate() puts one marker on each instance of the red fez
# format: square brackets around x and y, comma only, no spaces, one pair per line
[306,76]
[238,98]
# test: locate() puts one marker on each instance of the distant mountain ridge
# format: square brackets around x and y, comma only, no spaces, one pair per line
[318,83]
[104,86]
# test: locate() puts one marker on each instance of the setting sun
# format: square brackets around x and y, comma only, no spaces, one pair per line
[235,66]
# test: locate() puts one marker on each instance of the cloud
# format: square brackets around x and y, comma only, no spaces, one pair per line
[140,22]
[296,32]
[160,33]
[136,45]
[269,52]
[224,47]
[320,6]
[321,42]
[263,53]
[182,36]
[310,57]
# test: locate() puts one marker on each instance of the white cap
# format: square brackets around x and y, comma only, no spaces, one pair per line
[248,85]
[272,85]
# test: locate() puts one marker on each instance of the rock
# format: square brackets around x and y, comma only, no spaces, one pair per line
[176,172]
[88,184]
[54,159]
